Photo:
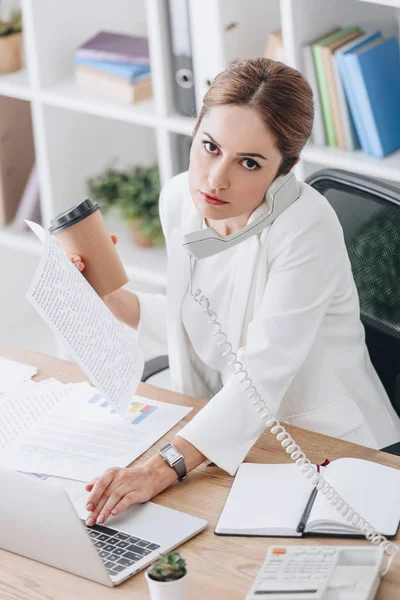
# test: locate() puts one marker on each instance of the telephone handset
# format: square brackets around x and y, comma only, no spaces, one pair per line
[281,194]
[200,244]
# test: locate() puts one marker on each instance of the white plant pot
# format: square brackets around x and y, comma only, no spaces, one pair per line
[167,590]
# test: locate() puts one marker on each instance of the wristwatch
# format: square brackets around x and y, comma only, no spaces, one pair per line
[175,459]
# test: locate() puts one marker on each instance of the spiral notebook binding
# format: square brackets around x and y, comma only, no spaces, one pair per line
[286,440]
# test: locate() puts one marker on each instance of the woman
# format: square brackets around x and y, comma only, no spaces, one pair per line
[285,297]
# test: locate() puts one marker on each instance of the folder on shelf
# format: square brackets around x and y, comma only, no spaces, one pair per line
[318,134]
[327,59]
[207,45]
[351,91]
[223,32]
[184,143]
[352,141]
[322,80]
[179,25]
[375,71]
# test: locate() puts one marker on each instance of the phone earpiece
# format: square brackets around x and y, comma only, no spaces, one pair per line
[281,194]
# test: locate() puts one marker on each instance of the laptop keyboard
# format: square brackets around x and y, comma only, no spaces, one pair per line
[118,550]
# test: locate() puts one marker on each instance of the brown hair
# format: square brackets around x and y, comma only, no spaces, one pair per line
[278,93]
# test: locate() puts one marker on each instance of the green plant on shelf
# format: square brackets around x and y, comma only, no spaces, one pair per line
[134,193]
[10,22]
[169,567]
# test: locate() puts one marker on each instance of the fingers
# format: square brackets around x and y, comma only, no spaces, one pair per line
[98,515]
[99,487]
[88,488]
[77,261]
[125,501]
[121,495]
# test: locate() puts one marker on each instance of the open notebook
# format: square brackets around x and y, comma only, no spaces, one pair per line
[269,500]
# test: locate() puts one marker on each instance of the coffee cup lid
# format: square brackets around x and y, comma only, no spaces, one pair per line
[73,215]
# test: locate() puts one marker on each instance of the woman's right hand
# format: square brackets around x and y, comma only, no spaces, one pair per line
[77,260]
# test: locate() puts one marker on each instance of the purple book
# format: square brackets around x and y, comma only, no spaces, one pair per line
[116,47]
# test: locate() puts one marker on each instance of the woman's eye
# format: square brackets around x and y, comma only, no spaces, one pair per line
[210,147]
[252,165]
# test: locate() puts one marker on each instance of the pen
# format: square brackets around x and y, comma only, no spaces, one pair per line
[304,517]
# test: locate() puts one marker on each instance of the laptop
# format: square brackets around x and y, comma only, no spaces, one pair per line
[41,522]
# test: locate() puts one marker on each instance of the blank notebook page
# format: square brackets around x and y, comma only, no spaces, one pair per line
[371,489]
[265,499]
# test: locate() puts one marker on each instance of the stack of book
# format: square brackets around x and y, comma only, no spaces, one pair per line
[355,76]
[116,66]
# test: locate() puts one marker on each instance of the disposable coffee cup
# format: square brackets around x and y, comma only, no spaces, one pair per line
[81,230]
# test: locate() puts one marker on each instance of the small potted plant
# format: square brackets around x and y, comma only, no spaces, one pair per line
[134,193]
[10,38]
[167,578]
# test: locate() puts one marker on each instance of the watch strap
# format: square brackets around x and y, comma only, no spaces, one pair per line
[179,465]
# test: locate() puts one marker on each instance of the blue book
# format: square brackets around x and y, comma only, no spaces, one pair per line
[129,71]
[375,70]
[351,90]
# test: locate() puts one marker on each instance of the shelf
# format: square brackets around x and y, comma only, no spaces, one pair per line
[387,168]
[16,85]
[25,241]
[394,3]
[147,265]
[67,94]
[179,124]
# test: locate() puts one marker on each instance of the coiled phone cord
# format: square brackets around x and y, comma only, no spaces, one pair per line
[286,440]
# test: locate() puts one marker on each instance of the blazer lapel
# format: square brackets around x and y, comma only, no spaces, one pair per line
[177,284]
[248,257]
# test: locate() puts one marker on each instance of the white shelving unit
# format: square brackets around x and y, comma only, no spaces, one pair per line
[77,134]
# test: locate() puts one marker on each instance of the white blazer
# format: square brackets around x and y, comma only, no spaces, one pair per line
[296,329]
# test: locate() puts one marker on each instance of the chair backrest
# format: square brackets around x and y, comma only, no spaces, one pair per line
[369,212]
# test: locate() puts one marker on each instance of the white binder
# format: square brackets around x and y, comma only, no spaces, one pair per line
[220,34]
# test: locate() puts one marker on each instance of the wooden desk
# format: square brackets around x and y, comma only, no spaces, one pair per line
[219,567]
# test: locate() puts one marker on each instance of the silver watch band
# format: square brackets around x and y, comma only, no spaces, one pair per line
[178,465]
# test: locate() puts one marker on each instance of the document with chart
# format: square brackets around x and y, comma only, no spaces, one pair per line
[82,435]
[102,346]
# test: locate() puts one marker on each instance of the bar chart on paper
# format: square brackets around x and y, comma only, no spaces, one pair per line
[139,410]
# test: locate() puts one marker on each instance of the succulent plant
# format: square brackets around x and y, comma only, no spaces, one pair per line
[169,567]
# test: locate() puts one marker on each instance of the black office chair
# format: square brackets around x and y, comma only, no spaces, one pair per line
[369,212]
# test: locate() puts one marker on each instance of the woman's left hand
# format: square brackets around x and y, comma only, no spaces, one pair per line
[116,489]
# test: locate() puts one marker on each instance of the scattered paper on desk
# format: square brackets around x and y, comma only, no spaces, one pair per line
[83,435]
[12,374]
[20,409]
[75,489]
[101,345]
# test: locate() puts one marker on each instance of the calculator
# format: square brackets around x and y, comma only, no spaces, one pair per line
[318,573]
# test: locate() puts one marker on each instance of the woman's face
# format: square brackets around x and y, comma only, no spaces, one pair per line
[233,161]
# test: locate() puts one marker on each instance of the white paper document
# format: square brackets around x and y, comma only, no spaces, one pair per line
[21,408]
[12,374]
[102,346]
[83,435]
[75,489]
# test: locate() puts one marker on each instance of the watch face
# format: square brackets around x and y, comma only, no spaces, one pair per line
[171,454]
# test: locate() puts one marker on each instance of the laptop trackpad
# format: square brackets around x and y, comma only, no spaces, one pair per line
[149,521]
